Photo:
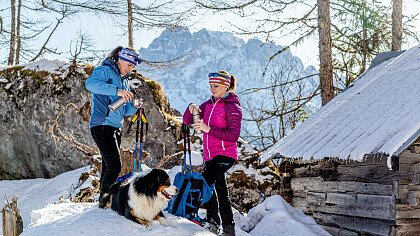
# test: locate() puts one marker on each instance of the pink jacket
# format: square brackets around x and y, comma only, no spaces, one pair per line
[224,116]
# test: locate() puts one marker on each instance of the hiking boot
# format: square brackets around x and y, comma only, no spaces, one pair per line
[228,230]
[102,201]
[211,226]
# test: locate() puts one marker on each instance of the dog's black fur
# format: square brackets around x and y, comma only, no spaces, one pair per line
[142,198]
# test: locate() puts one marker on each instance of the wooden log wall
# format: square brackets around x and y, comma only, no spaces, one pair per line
[348,198]
[362,198]
[408,192]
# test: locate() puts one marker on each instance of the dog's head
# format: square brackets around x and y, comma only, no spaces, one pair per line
[156,182]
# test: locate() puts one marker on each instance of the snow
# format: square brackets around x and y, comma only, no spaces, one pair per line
[43,215]
[51,66]
[275,217]
[37,193]
[196,159]
[87,219]
[379,113]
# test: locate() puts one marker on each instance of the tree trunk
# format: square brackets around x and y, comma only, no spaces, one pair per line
[10,60]
[1,25]
[18,36]
[397,29]
[130,24]
[364,40]
[325,60]
[12,220]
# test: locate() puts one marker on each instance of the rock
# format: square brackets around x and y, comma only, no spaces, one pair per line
[44,122]
[249,182]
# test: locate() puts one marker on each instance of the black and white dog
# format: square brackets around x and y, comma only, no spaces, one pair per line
[143,197]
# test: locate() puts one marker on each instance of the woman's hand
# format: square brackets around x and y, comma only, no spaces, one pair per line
[127,95]
[199,125]
[192,107]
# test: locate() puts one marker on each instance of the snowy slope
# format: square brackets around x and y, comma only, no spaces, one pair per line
[87,219]
[379,113]
[272,217]
[37,193]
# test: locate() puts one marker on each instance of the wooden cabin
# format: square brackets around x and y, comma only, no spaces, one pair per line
[355,164]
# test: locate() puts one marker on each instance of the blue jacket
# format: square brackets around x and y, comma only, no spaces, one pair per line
[104,84]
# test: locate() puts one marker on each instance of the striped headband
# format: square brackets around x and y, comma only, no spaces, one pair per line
[129,56]
[219,78]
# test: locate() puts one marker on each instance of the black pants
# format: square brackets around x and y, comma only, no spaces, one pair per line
[214,173]
[108,139]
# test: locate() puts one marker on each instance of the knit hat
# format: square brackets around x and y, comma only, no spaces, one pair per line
[219,78]
[129,56]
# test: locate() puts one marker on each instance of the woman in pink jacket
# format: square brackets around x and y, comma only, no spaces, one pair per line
[221,125]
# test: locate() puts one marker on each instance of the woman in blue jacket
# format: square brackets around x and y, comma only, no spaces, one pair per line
[108,83]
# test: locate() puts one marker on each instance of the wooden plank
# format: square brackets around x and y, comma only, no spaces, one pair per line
[374,200]
[339,198]
[415,148]
[310,202]
[357,210]
[415,168]
[316,184]
[407,227]
[403,193]
[404,168]
[395,189]
[358,224]
[339,232]
[325,169]
[404,211]
[411,198]
[364,208]
[415,173]
[316,198]
[405,207]
[376,173]
[408,157]
[301,203]
[409,194]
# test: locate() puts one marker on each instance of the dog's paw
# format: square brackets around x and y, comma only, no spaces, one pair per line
[162,221]
[145,223]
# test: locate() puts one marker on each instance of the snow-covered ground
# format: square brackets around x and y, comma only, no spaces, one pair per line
[43,215]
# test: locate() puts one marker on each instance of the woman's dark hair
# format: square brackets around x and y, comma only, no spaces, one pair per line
[233,79]
[114,53]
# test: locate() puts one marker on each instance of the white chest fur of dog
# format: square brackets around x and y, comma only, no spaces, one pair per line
[147,207]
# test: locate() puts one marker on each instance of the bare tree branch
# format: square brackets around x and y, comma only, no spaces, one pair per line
[44,46]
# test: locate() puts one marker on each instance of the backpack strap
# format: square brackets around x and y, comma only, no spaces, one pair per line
[179,196]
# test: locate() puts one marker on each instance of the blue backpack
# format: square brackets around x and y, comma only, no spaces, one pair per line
[193,188]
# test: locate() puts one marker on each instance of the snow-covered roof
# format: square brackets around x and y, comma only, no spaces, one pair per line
[379,113]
